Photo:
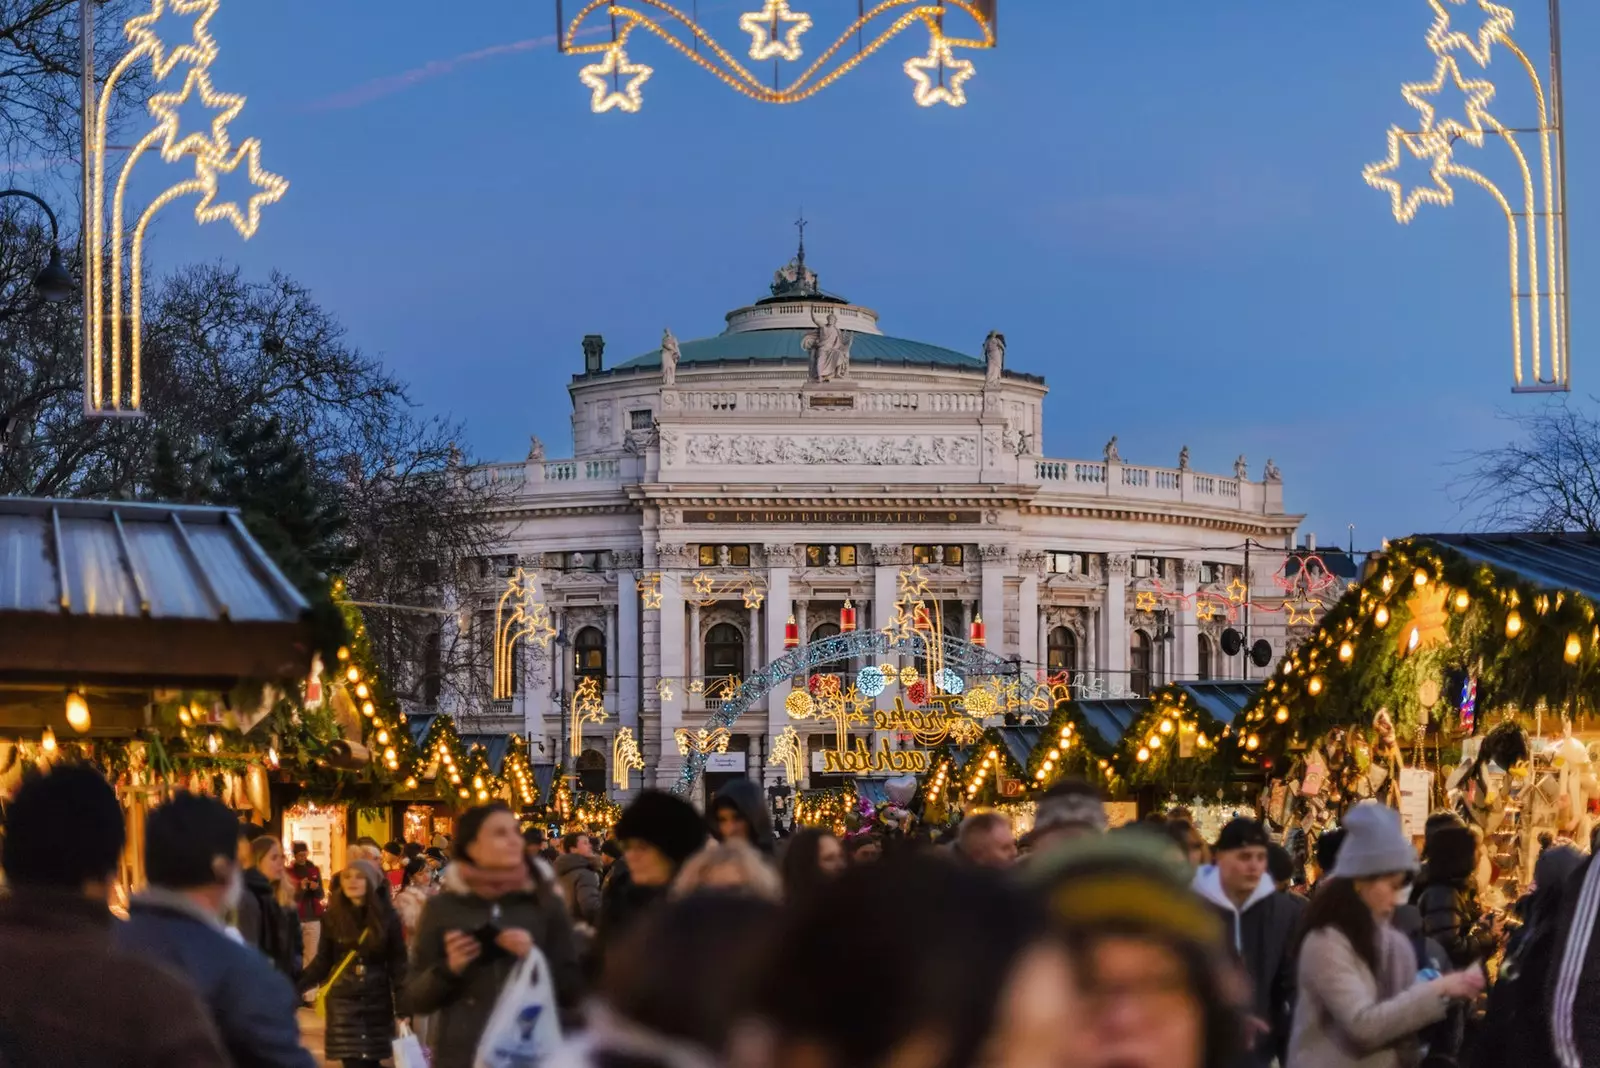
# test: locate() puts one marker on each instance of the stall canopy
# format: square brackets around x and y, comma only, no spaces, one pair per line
[120,597]
[1550,561]
[1222,699]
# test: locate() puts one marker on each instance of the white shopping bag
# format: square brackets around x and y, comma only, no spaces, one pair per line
[408,1049]
[523,1029]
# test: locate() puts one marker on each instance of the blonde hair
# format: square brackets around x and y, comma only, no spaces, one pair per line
[728,866]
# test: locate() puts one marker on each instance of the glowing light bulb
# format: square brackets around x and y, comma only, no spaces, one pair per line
[1055,754]
[1281,715]
[411,782]
[1387,584]
[1513,624]
[1252,743]
[362,691]
[383,737]
[1346,650]
[1463,599]
[1141,756]
[477,782]
[1155,741]
[389,755]
[1381,616]
[1574,649]
[344,653]
[353,673]
[213,743]
[77,712]
[1413,640]
[1419,578]
[1166,726]
[1314,687]
[47,740]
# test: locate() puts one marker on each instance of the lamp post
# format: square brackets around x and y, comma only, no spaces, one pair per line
[54,282]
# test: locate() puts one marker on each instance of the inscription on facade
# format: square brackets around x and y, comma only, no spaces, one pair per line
[934,450]
[856,516]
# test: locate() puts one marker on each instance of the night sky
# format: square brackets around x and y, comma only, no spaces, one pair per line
[1159,202]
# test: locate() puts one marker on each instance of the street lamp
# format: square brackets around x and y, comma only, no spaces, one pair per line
[54,283]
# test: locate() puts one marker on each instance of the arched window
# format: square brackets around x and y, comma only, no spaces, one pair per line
[1139,664]
[829,630]
[1062,655]
[591,768]
[1202,667]
[724,651]
[589,655]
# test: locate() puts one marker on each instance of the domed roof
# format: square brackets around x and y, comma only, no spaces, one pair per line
[782,345]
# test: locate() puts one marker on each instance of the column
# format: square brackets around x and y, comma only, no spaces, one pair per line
[697,667]
[1186,626]
[780,565]
[1042,631]
[801,622]
[627,647]
[670,761]
[885,588]
[1114,624]
[993,603]
[752,643]
[1031,641]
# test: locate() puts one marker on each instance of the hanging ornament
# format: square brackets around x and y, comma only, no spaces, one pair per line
[847,618]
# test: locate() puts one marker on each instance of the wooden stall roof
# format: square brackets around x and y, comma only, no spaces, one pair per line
[116,594]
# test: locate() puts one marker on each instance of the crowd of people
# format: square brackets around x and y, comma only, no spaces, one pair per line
[690,940]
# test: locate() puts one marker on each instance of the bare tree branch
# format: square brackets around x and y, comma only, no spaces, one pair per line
[1545,479]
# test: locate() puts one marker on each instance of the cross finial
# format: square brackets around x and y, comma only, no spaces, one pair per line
[800,224]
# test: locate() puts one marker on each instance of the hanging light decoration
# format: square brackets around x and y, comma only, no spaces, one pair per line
[1573,650]
[1381,616]
[77,712]
[847,618]
[1513,624]
[47,740]
[977,633]
[791,634]
[1346,651]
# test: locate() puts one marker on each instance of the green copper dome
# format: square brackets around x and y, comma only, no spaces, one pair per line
[779,346]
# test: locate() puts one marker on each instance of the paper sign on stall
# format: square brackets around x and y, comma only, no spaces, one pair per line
[1416,797]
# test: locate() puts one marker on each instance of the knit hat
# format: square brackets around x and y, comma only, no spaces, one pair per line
[1374,844]
[669,823]
[1128,881]
[373,874]
[1242,832]
[1069,810]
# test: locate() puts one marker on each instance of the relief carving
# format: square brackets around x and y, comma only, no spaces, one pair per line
[672,555]
[669,447]
[1119,564]
[994,552]
[625,559]
[1191,571]
[886,555]
[782,556]
[669,517]
[918,451]
[1030,562]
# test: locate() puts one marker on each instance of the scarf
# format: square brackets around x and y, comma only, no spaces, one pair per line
[491,884]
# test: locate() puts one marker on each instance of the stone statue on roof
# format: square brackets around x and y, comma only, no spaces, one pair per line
[1241,468]
[1183,459]
[994,355]
[1272,474]
[828,346]
[1112,455]
[670,355]
[535,449]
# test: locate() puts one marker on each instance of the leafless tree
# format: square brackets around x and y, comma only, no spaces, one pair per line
[1546,479]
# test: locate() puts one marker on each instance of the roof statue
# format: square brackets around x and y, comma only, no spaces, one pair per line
[535,449]
[1183,459]
[670,354]
[795,279]
[1271,474]
[828,347]
[1112,455]
[994,355]
[1241,468]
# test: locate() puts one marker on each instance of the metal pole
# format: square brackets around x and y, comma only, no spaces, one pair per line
[91,283]
[1559,119]
[1247,591]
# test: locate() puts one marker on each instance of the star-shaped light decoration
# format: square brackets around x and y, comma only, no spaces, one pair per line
[271,186]
[200,49]
[913,582]
[1477,91]
[753,596]
[1302,613]
[649,588]
[1205,609]
[1144,601]
[697,686]
[1237,591]
[1405,204]
[1444,37]
[704,586]
[762,26]
[164,107]
[615,64]
[953,74]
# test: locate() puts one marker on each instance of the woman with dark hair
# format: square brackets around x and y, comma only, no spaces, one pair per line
[980,982]
[491,911]
[362,957]
[1360,1003]
[812,858]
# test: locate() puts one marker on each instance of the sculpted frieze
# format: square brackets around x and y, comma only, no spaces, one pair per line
[913,451]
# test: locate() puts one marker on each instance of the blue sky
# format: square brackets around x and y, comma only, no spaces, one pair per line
[1159,202]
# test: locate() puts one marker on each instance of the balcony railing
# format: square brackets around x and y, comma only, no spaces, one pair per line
[1166,484]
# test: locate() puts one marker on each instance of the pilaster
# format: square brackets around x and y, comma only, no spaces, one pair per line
[1114,623]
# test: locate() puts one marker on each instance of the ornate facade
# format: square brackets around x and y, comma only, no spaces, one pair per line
[801,459]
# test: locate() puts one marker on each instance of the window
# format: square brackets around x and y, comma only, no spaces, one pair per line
[1064,563]
[739,555]
[724,651]
[591,769]
[724,556]
[1139,664]
[953,555]
[1212,573]
[948,555]
[589,655]
[838,667]
[1144,567]
[1062,655]
[922,554]
[1202,666]
[708,556]
[641,419]
[831,556]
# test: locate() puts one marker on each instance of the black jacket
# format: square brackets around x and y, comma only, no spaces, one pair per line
[252,1005]
[463,1002]
[273,929]
[580,882]
[746,797]
[1262,936]
[361,1002]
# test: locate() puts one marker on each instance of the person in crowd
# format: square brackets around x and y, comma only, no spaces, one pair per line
[491,912]
[1327,851]
[273,932]
[69,994]
[1361,1004]
[863,848]
[436,861]
[985,839]
[1448,899]
[675,989]
[739,812]
[733,867]
[361,958]
[812,858]
[658,832]
[610,853]
[982,983]
[1261,925]
[1072,808]
[1280,867]
[1187,837]
[394,863]
[417,887]
[247,919]
[308,896]
[1160,985]
[413,850]
[192,867]
[578,870]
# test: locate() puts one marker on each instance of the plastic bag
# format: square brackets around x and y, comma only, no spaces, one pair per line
[523,1029]
[407,1049]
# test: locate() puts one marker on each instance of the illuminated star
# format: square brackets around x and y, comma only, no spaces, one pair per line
[762,27]
[953,73]
[753,597]
[1204,610]
[1302,613]
[1477,91]
[605,96]
[1144,601]
[1238,591]
[1404,204]
[912,582]
[704,586]
[271,186]
[1443,37]
[164,106]
[200,49]
[664,689]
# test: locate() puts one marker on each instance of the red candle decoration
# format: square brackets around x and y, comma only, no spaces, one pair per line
[976,633]
[920,618]
[847,618]
[791,634]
